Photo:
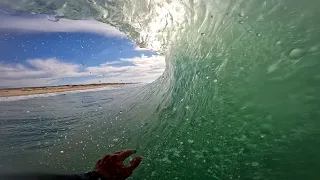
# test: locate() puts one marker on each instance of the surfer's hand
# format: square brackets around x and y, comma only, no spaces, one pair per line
[111,166]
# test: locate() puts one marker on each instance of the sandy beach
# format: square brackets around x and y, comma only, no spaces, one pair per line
[51,89]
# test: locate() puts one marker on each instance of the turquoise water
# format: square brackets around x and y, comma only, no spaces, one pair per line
[238,100]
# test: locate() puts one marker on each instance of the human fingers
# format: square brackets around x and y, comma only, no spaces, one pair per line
[133,164]
[118,152]
[126,153]
[98,162]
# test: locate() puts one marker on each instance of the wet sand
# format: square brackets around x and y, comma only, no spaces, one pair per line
[51,89]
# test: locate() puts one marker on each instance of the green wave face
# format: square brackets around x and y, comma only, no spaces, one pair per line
[240,95]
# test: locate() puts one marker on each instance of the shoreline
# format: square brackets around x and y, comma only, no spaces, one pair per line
[9,92]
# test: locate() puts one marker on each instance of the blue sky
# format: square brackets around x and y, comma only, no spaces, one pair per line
[35,51]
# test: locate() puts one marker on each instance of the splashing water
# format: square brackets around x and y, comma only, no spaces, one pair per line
[239,98]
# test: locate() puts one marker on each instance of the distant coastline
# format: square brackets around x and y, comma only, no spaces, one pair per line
[7,92]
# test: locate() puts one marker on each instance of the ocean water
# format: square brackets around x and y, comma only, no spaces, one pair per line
[60,123]
[239,98]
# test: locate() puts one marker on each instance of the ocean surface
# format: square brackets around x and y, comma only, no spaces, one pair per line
[239,98]
[57,124]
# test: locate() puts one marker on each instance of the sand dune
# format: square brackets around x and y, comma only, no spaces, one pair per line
[51,89]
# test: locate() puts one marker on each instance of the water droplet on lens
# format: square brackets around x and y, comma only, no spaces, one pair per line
[296,53]
[190,141]
[255,164]
[262,135]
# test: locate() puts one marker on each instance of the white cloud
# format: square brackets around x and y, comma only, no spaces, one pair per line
[144,69]
[40,68]
[56,68]
[105,69]
[40,23]
[37,72]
